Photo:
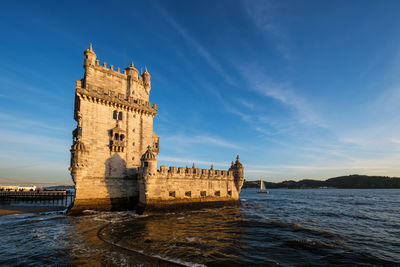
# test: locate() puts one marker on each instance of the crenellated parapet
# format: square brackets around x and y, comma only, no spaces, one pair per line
[91,61]
[118,100]
[125,74]
[193,173]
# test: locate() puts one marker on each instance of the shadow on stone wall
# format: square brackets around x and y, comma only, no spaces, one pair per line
[121,183]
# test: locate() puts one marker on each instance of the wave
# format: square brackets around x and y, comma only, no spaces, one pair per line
[162,258]
[310,243]
[295,227]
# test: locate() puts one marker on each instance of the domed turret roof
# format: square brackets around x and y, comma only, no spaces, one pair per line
[238,163]
[131,67]
[148,155]
[90,49]
[79,146]
[145,71]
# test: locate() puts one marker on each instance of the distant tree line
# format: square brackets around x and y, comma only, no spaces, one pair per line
[350,181]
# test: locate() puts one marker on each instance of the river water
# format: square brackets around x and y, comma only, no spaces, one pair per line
[326,227]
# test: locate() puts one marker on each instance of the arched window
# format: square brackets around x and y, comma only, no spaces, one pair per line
[116,136]
[115,115]
[121,137]
[120,116]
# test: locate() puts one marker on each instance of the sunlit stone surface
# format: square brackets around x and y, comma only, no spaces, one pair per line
[114,151]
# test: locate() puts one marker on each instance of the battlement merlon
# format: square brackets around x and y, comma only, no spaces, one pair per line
[182,172]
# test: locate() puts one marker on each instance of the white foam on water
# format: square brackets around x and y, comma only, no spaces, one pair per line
[177,261]
[90,211]
[164,258]
[190,239]
[101,220]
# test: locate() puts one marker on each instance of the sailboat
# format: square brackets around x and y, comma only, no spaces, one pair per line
[262,188]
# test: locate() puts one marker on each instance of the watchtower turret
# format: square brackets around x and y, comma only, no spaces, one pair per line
[238,173]
[132,72]
[78,164]
[149,162]
[146,79]
[90,57]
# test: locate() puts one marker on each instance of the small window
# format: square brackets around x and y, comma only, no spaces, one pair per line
[133,144]
[203,193]
[133,130]
[115,115]
[121,137]
[230,193]
[146,164]
[116,136]
[133,158]
[172,193]
[120,116]
[217,193]
[188,193]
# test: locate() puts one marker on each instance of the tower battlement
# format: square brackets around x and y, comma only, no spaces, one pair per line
[193,172]
[114,148]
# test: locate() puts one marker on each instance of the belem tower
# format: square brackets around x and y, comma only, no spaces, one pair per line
[114,151]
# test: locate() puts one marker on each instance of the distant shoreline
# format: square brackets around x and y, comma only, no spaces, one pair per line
[7,209]
[354,181]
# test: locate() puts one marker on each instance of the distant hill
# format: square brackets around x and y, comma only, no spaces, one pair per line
[59,187]
[350,181]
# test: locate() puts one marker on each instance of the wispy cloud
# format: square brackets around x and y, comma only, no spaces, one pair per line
[190,161]
[10,122]
[193,43]
[262,84]
[34,141]
[200,139]
[247,104]
[267,18]
[388,165]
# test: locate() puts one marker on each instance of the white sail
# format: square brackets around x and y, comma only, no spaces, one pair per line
[262,187]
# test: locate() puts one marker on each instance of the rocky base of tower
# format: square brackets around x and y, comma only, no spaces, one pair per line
[102,204]
[184,205]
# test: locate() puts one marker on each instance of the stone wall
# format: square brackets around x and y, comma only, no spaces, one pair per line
[97,123]
[181,186]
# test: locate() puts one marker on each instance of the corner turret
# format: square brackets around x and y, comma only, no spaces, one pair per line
[149,162]
[78,159]
[146,79]
[132,71]
[90,57]
[238,173]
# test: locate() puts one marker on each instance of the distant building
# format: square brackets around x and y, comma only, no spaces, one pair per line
[17,188]
[114,151]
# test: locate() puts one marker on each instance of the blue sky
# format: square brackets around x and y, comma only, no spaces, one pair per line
[299,89]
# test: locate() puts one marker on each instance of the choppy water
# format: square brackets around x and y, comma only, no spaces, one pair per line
[285,228]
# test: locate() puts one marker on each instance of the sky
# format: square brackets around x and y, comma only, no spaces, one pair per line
[299,89]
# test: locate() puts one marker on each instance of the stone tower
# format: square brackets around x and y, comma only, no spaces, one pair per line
[114,129]
[114,150]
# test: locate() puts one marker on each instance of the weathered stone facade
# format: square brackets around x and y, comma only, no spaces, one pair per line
[114,151]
